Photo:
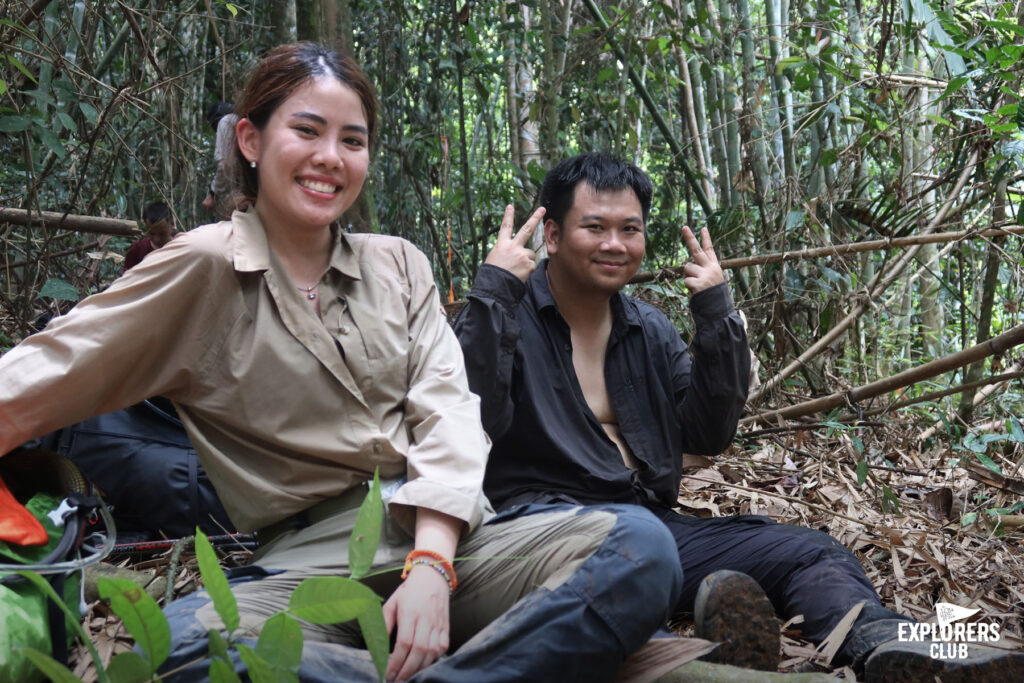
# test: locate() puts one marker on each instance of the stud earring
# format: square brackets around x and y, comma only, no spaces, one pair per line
[253,163]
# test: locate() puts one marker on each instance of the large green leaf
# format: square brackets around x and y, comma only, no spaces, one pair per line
[129,667]
[331,600]
[55,288]
[216,583]
[375,633]
[366,532]
[280,643]
[260,671]
[223,672]
[54,670]
[141,616]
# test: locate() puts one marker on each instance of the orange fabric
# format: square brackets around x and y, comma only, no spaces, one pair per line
[17,525]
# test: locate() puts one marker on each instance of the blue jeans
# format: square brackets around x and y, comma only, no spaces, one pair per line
[548,593]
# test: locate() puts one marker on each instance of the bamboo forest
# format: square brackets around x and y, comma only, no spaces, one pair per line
[858,163]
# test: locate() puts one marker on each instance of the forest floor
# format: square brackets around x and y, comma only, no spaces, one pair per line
[925,527]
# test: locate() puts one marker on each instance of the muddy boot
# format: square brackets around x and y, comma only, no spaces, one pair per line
[732,609]
[897,661]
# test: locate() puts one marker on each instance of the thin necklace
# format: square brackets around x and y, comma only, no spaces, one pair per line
[310,294]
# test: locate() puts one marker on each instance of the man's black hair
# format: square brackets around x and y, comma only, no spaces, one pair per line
[601,171]
[156,212]
[217,111]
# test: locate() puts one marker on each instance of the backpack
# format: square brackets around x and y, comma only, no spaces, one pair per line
[47,493]
[141,460]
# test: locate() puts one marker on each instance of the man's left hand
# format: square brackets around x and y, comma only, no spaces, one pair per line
[703,269]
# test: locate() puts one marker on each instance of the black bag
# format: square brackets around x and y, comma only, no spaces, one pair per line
[141,460]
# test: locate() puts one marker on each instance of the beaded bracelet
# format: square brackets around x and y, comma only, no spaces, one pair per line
[435,560]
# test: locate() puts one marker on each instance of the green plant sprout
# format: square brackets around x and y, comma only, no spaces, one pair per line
[278,651]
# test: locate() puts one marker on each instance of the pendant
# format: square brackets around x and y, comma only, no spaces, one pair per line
[311,295]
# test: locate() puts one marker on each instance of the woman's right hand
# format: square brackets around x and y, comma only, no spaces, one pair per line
[419,609]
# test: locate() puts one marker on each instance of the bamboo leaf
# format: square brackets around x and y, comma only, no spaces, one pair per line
[141,616]
[331,600]
[216,583]
[989,463]
[14,124]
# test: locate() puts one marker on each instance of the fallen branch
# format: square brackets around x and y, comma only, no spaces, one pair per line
[55,220]
[676,272]
[978,398]
[57,254]
[1007,340]
[935,395]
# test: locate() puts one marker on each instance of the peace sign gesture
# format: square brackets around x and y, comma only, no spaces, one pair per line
[702,270]
[511,251]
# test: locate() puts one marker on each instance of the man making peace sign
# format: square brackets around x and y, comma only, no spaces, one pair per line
[590,396]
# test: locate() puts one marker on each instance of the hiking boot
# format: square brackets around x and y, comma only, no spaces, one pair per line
[896,661]
[732,610]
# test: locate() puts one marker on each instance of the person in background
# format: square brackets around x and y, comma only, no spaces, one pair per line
[301,359]
[222,119]
[159,223]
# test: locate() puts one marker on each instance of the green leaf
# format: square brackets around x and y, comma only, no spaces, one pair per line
[280,643]
[66,121]
[3,86]
[331,600]
[55,288]
[232,8]
[141,616]
[215,582]
[988,462]
[260,671]
[218,646]
[862,472]
[890,502]
[968,519]
[89,111]
[14,124]
[71,620]
[375,633]
[223,672]
[48,138]
[54,670]
[21,67]
[129,667]
[366,532]
[1016,430]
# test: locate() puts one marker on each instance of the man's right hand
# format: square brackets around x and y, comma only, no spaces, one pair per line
[511,251]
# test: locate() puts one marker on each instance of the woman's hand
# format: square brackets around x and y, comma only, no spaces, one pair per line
[419,609]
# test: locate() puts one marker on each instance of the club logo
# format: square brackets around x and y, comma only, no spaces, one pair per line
[949,637]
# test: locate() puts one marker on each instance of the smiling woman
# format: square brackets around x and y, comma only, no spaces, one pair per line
[301,359]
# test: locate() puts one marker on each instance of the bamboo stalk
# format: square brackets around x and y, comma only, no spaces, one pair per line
[1013,337]
[874,290]
[54,219]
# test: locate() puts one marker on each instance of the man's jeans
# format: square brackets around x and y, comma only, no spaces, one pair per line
[546,593]
[803,571]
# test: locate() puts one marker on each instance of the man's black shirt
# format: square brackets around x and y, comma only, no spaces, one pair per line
[548,445]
